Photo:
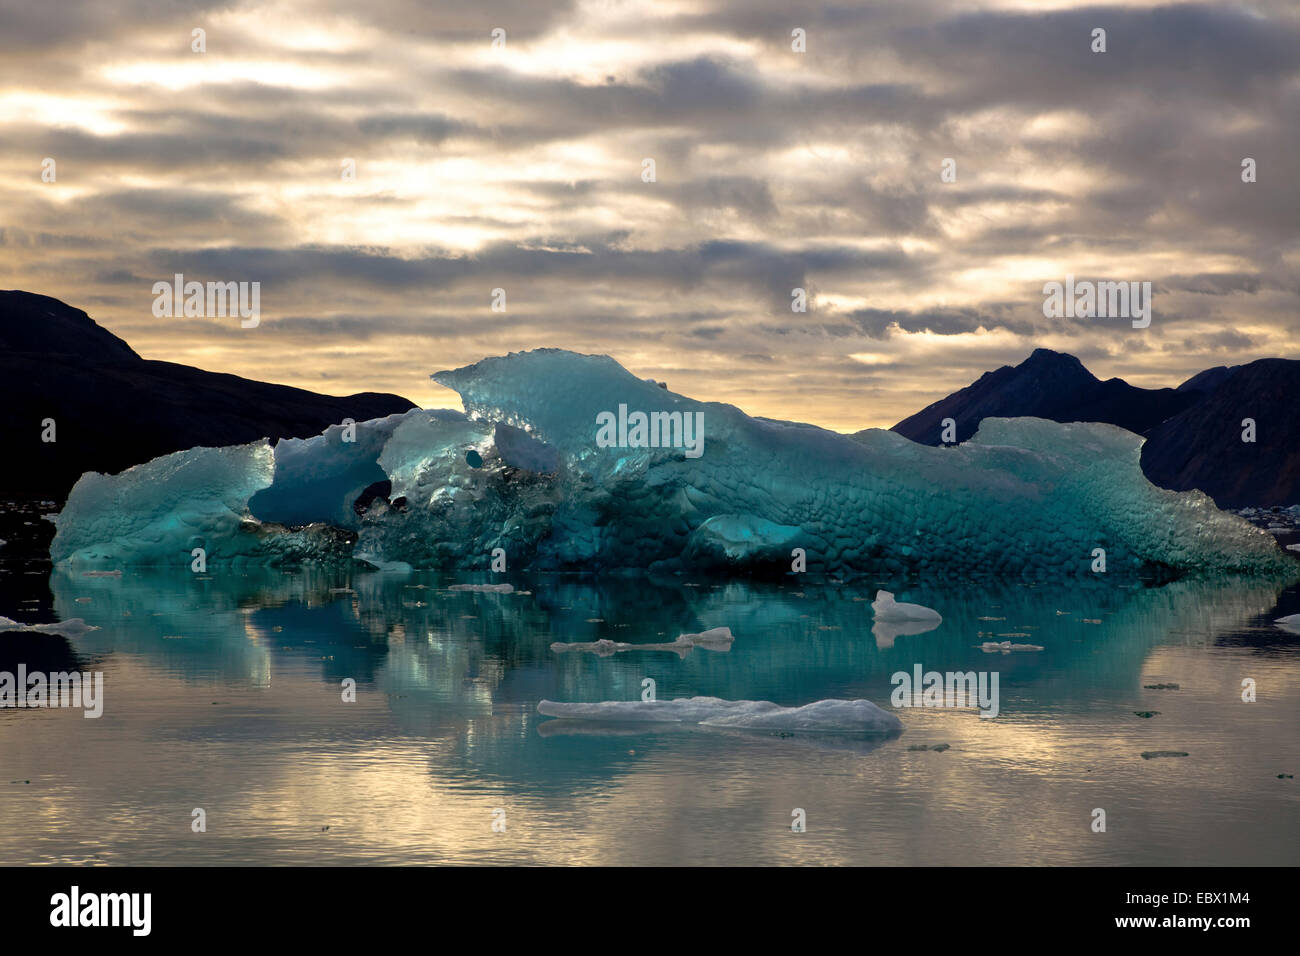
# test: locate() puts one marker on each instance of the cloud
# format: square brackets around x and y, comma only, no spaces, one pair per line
[520,168]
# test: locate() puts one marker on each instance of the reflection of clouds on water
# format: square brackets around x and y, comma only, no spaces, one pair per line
[225,690]
[418,640]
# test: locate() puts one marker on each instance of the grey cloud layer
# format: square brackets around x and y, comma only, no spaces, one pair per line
[775,170]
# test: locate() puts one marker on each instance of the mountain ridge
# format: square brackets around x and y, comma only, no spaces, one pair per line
[1193,432]
[113,409]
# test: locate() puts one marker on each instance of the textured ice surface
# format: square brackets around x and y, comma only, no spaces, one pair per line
[521,470]
[824,716]
[319,478]
[889,610]
[159,512]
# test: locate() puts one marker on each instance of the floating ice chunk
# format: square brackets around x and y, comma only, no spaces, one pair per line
[1006,647]
[824,716]
[485,588]
[887,609]
[1289,547]
[1289,623]
[73,627]
[714,639]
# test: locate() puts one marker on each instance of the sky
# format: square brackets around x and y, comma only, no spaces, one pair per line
[520,165]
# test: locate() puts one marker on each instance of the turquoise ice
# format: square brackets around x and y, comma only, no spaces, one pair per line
[520,470]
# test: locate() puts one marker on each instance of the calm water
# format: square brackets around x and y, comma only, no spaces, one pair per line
[224,692]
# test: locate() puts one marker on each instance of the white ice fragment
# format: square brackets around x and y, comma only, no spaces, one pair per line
[823,716]
[73,627]
[1006,647]
[1289,623]
[887,609]
[714,639]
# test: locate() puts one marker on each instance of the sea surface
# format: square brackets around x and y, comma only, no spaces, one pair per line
[225,692]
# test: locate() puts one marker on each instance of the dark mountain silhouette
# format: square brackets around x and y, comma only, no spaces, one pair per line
[1048,385]
[1193,432]
[113,409]
[1208,380]
[1202,447]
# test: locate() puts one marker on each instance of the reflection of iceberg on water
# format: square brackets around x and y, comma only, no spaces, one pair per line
[886,631]
[823,716]
[520,470]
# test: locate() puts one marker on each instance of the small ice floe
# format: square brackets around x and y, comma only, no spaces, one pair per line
[1289,547]
[1006,647]
[485,588]
[714,639]
[887,609]
[1289,623]
[823,716]
[73,627]
[101,574]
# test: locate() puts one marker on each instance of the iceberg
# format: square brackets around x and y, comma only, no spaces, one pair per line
[823,716]
[521,470]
